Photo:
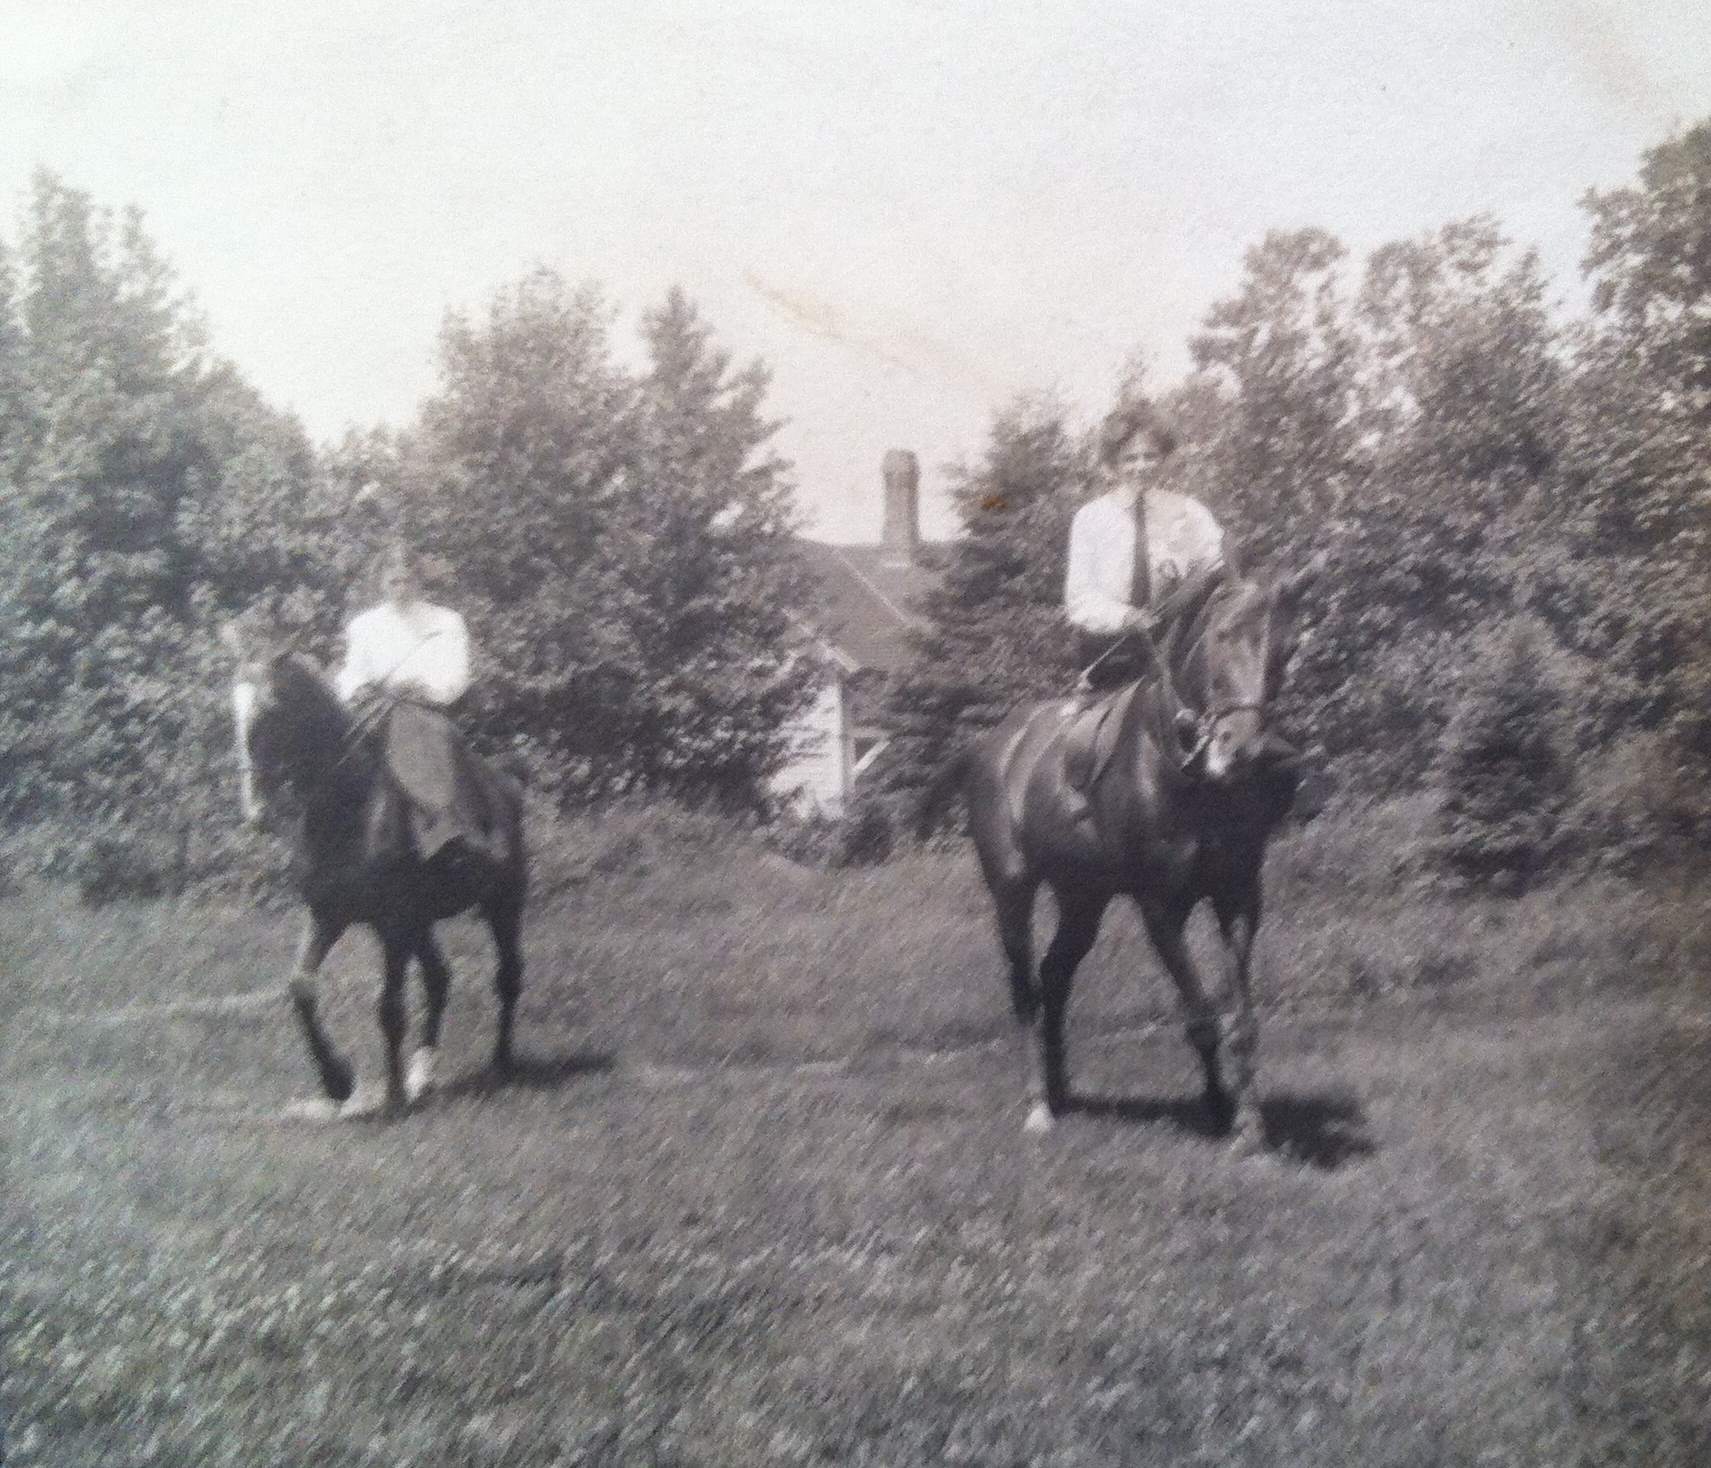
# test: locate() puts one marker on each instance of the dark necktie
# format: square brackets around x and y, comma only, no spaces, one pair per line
[1140,580]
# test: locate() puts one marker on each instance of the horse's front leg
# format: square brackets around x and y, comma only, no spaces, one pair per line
[320,932]
[1238,920]
[436,983]
[1199,1013]
[505,921]
[396,953]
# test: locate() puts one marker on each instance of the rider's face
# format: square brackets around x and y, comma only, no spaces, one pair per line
[1141,454]
[399,583]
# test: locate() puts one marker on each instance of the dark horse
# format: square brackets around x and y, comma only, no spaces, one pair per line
[356,863]
[1191,786]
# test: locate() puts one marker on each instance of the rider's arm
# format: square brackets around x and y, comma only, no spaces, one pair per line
[440,668]
[357,672]
[1205,536]
[1095,551]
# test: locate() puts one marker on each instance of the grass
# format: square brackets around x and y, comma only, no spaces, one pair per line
[759,1192]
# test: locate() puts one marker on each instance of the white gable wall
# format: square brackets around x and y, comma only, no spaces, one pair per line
[819,773]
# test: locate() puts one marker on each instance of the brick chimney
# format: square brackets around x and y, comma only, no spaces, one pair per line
[901,472]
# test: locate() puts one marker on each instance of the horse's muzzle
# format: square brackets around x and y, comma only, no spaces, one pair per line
[1262,755]
[1275,756]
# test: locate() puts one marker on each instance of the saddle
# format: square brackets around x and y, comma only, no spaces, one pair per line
[445,794]
[1092,735]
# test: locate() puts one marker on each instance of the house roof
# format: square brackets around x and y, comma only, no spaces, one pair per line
[868,602]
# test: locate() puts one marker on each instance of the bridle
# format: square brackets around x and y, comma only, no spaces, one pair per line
[1204,725]
[1197,725]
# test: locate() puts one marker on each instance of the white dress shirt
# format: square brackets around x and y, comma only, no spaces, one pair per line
[420,649]
[1182,538]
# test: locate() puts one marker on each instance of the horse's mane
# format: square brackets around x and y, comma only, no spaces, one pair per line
[308,672]
[1188,628]
[307,694]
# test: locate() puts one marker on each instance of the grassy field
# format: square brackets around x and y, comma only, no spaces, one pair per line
[760,1194]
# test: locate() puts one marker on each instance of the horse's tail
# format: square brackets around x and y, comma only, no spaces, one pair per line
[946,783]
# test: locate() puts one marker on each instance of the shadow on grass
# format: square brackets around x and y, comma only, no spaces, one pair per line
[1321,1131]
[532,1073]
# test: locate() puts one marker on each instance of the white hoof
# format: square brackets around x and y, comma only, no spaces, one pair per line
[1247,1138]
[420,1078]
[1040,1120]
[315,1108]
[364,1101]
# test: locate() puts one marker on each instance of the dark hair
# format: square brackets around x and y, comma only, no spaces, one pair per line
[1124,422]
[400,555]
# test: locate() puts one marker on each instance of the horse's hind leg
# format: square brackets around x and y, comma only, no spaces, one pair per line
[436,983]
[338,1080]
[1014,902]
[505,919]
[1078,926]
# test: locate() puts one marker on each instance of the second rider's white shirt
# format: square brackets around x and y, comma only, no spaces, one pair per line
[1182,538]
[421,649]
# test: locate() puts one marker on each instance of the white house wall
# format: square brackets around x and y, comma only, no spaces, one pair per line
[819,773]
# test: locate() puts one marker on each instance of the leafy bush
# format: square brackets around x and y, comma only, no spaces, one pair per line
[638,838]
[1505,768]
[864,835]
[1636,805]
[1358,845]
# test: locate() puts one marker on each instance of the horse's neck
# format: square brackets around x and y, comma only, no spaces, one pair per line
[324,743]
[1184,657]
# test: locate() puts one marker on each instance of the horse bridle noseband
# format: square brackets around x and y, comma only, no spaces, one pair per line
[1204,724]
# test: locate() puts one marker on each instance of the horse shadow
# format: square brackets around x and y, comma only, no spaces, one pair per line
[531,1073]
[1322,1131]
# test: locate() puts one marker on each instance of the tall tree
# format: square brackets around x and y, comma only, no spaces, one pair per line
[1638,517]
[1284,359]
[699,575]
[1650,260]
[1452,387]
[125,529]
[996,631]
[622,538]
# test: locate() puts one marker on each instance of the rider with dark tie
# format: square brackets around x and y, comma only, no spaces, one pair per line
[1132,550]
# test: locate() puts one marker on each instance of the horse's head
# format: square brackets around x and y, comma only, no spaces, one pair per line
[1240,656]
[288,718]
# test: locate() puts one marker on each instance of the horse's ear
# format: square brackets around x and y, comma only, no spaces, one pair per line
[1234,558]
[1293,589]
[250,637]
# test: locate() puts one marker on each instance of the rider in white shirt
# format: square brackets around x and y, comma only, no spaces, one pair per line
[414,657]
[406,646]
[1133,552]
[1110,600]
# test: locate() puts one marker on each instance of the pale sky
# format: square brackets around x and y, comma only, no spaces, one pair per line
[911,209]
